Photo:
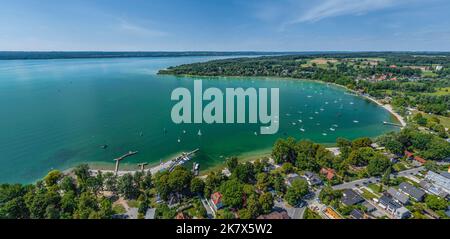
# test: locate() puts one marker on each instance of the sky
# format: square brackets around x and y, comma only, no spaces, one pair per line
[225,25]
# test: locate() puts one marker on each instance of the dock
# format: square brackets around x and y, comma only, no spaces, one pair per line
[182,159]
[129,154]
[393,124]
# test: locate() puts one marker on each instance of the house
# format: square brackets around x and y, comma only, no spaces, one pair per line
[408,154]
[376,146]
[411,156]
[412,191]
[216,199]
[393,207]
[291,178]
[392,157]
[369,207]
[312,179]
[357,214]
[275,215]
[150,214]
[331,213]
[420,160]
[336,151]
[329,173]
[438,68]
[436,184]
[398,196]
[350,198]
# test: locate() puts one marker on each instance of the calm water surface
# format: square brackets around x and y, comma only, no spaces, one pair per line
[58,113]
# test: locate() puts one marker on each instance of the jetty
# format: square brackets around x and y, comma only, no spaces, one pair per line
[393,124]
[182,159]
[129,154]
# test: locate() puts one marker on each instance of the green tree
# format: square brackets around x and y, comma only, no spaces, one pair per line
[232,163]
[67,184]
[52,178]
[232,193]
[262,182]
[127,188]
[327,195]
[361,143]
[295,193]
[244,172]
[197,186]
[82,173]
[436,203]
[179,179]
[395,147]
[266,202]
[284,150]
[378,165]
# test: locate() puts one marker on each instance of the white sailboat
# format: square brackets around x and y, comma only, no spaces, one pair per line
[199,133]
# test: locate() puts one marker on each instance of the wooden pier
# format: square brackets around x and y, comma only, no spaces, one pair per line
[393,124]
[183,158]
[129,154]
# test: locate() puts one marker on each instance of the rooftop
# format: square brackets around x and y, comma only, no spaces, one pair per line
[350,198]
[399,196]
[412,191]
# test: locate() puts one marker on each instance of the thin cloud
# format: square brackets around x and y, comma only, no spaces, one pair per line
[335,8]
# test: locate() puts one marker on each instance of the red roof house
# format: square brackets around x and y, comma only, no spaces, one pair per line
[408,154]
[216,199]
[328,172]
[420,160]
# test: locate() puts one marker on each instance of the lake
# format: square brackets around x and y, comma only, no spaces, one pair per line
[56,114]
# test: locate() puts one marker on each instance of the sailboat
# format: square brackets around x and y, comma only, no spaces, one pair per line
[199,132]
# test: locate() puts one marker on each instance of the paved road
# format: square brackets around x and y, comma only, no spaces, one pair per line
[365,181]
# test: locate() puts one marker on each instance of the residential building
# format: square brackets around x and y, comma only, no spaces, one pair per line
[398,196]
[329,173]
[412,191]
[312,179]
[393,207]
[150,214]
[216,199]
[436,184]
[350,198]
[369,207]
[357,214]
[291,178]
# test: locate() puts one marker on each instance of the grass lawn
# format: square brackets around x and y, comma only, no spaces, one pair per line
[399,167]
[445,121]
[119,209]
[368,195]
[309,214]
[442,91]
[428,74]
[374,187]
[133,203]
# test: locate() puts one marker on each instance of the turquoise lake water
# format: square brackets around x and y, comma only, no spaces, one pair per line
[56,114]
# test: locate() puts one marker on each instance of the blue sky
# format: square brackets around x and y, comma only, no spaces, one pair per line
[225,25]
